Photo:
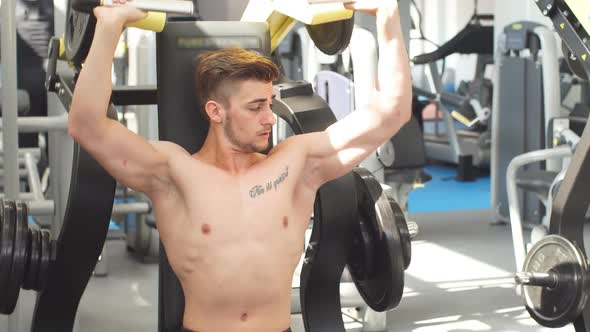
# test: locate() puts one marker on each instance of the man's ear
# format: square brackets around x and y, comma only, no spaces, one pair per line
[213,110]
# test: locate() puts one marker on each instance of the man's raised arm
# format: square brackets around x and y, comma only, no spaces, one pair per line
[129,158]
[342,146]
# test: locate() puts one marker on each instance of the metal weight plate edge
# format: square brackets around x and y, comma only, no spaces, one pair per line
[390,245]
[12,287]
[6,247]
[78,35]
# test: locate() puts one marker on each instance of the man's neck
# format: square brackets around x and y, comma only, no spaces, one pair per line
[226,157]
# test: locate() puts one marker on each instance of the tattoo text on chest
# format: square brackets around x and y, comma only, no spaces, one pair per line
[259,190]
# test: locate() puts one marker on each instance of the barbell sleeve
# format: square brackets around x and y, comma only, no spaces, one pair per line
[536,279]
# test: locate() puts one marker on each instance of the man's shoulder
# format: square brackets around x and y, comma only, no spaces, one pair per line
[293,153]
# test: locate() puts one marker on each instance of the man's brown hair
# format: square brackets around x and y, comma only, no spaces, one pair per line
[215,68]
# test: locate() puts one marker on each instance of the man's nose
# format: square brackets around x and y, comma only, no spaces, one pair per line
[269,117]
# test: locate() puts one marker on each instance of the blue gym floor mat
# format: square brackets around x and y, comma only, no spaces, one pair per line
[444,193]
[113,226]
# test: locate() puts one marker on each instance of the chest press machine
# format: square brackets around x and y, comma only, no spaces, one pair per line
[355,224]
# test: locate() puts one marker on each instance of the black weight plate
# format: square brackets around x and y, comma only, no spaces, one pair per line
[19,258]
[37,260]
[33,270]
[404,232]
[382,288]
[361,262]
[9,298]
[562,304]
[332,37]
[27,243]
[38,277]
[34,256]
[7,233]
[78,36]
[22,217]
[45,258]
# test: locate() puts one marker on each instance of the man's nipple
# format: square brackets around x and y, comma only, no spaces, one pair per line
[244,317]
[285,222]
[206,229]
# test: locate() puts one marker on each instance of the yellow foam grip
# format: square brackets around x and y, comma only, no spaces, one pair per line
[279,25]
[312,14]
[154,21]
[461,118]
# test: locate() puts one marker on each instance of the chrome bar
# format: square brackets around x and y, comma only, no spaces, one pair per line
[33,176]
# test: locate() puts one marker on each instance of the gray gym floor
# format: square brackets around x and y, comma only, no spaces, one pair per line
[460,279]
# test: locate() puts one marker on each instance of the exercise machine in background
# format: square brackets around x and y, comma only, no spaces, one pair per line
[527,98]
[554,274]
[470,105]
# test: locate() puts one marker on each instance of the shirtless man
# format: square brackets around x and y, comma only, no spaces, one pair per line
[235,248]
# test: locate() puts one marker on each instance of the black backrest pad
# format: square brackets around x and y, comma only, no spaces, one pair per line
[179,119]
[409,146]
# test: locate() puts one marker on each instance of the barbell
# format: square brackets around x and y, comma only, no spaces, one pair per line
[554,281]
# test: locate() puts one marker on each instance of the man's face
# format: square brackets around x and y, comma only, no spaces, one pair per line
[248,119]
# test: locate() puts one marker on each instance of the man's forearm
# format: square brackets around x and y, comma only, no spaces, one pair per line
[94,85]
[394,66]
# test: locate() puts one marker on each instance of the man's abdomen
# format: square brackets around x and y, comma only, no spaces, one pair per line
[240,287]
[243,305]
